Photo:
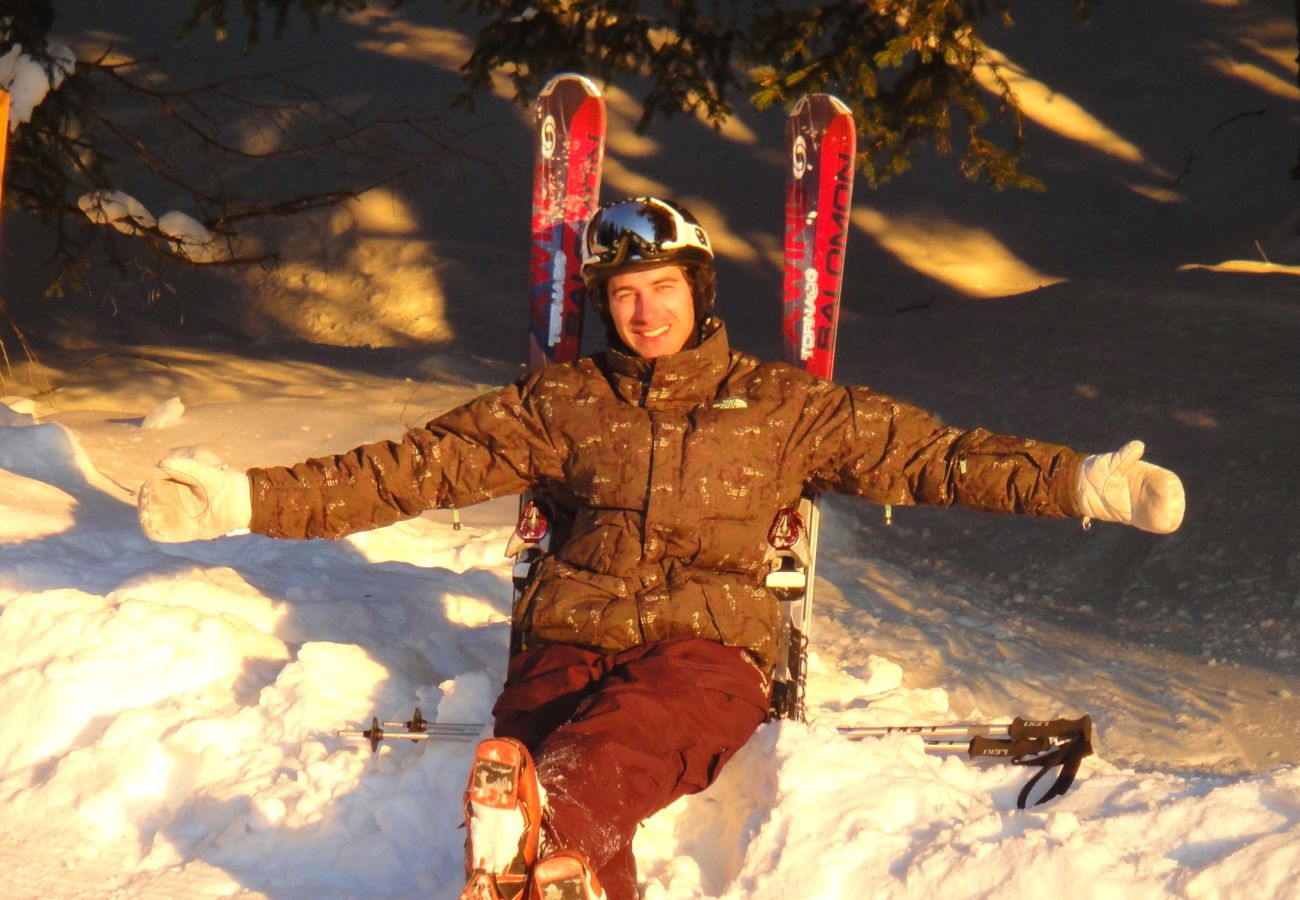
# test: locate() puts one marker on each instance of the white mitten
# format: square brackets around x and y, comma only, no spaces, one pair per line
[190,500]
[1119,487]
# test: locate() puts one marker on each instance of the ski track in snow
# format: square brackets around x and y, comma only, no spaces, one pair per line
[171,711]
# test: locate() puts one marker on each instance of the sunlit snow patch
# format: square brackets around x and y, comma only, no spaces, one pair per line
[1243,266]
[31,509]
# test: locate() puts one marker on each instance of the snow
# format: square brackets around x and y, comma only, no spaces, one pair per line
[165,414]
[28,82]
[171,711]
[496,835]
[118,209]
[193,240]
[128,215]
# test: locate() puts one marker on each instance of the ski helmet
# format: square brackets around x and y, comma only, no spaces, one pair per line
[642,233]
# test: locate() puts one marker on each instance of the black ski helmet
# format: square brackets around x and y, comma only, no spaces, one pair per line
[642,233]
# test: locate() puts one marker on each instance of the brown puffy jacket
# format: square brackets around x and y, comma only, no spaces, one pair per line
[675,467]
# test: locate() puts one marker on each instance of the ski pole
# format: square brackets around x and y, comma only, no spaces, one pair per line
[1021,742]
[417,729]
[1015,731]
[927,732]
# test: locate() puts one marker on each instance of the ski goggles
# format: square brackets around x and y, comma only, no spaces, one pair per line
[643,229]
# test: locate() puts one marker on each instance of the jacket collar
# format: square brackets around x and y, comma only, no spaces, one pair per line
[688,376]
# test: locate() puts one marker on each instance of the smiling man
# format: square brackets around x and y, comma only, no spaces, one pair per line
[652,311]
[647,638]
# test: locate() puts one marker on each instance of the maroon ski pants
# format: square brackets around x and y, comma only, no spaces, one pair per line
[617,737]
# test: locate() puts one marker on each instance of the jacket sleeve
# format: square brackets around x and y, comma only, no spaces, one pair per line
[890,452]
[494,445]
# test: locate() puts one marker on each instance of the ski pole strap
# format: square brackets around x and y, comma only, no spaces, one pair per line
[1044,744]
[1069,755]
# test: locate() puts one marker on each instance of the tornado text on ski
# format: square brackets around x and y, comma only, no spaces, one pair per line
[820,142]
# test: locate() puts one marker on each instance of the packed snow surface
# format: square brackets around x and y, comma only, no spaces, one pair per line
[171,711]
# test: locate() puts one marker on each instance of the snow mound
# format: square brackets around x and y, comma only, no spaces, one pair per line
[50,453]
[803,813]
[164,415]
[17,411]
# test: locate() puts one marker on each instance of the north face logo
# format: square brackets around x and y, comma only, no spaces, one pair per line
[729,403]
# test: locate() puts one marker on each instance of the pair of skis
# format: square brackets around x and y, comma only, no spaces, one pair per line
[569,124]
[570,150]
[569,121]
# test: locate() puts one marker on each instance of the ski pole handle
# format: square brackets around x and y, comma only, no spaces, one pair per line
[1051,728]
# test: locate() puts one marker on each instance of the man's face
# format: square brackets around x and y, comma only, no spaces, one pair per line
[652,310]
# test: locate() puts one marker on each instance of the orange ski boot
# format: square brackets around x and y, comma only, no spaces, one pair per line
[564,875]
[503,818]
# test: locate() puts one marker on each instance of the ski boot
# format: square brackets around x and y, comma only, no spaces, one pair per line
[564,875]
[503,818]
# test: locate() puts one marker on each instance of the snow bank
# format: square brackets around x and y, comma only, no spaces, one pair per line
[171,716]
[833,816]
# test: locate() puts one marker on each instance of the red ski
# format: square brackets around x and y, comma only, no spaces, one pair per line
[820,145]
[570,134]
[569,123]
[820,141]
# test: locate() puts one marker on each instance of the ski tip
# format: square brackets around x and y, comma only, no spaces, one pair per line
[835,103]
[570,78]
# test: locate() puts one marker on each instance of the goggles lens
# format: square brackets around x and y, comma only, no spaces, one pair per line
[648,229]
